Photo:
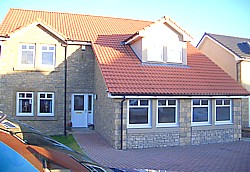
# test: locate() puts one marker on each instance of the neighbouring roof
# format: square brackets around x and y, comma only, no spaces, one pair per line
[123,72]
[238,46]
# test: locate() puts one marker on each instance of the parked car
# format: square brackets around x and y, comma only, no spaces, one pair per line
[23,148]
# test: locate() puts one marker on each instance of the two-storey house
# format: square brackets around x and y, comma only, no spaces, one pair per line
[140,83]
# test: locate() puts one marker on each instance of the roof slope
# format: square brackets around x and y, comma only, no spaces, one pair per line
[231,43]
[121,69]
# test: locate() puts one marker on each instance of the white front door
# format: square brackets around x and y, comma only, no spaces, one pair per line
[79,117]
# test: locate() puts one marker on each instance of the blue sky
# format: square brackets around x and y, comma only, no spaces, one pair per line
[227,17]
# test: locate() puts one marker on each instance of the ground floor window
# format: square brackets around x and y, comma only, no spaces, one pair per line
[45,104]
[223,111]
[200,112]
[166,113]
[139,113]
[24,104]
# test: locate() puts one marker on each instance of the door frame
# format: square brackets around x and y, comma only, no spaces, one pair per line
[87,112]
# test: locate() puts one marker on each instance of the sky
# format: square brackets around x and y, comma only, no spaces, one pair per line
[226,17]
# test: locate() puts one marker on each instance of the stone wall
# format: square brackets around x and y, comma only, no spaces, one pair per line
[17,78]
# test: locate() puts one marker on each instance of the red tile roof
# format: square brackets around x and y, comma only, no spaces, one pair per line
[122,70]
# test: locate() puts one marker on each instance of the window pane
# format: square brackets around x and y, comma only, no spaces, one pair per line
[49,95]
[45,106]
[47,58]
[31,47]
[222,113]
[161,102]
[27,57]
[144,102]
[44,47]
[42,95]
[51,48]
[226,102]
[196,102]
[78,102]
[29,95]
[138,115]
[200,114]
[218,102]
[133,102]
[166,115]
[21,95]
[90,102]
[25,106]
[171,102]
[204,102]
[24,47]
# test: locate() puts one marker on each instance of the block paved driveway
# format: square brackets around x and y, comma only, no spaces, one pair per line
[222,157]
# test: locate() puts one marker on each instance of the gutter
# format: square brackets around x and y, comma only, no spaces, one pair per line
[124,98]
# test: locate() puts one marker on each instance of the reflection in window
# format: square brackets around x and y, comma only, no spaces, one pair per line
[223,111]
[138,113]
[46,104]
[167,113]
[200,112]
[24,104]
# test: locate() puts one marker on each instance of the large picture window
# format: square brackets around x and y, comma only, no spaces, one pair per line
[45,104]
[48,55]
[139,113]
[223,111]
[27,55]
[166,113]
[201,112]
[24,104]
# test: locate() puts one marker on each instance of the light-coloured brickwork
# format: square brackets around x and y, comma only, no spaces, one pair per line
[16,78]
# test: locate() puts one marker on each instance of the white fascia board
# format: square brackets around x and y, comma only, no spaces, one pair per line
[132,39]
[3,39]
[236,57]
[175,97]
[78,42]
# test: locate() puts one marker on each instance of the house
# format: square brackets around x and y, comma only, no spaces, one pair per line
[140,83]
[232,54]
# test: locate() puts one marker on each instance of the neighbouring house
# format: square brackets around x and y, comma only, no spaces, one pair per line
[232,54]
[140,83]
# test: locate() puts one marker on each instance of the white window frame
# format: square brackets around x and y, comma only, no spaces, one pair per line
[155,52]
[30,99]
[1,50]
[32,50]
[223,105]
[38,103]
[51,51]
[200,106]
[172,50]
[166,106]
[148,125]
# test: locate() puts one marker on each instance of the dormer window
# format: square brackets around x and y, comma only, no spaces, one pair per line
[174,53]
[155,52]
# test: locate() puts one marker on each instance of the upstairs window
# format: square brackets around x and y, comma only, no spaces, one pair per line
[155,52]
[24,104]
[174,53]
[48,55]
[0,49]
[27,54]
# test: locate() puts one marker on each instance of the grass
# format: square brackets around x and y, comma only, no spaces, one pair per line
[68,141]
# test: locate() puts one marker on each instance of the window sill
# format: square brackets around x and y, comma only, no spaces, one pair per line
[200,124]
[34,69]
[166,125]
[139,126]
[223,123]
[36,118]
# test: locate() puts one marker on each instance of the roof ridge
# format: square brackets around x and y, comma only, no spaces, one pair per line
[226,35]
[81,14]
